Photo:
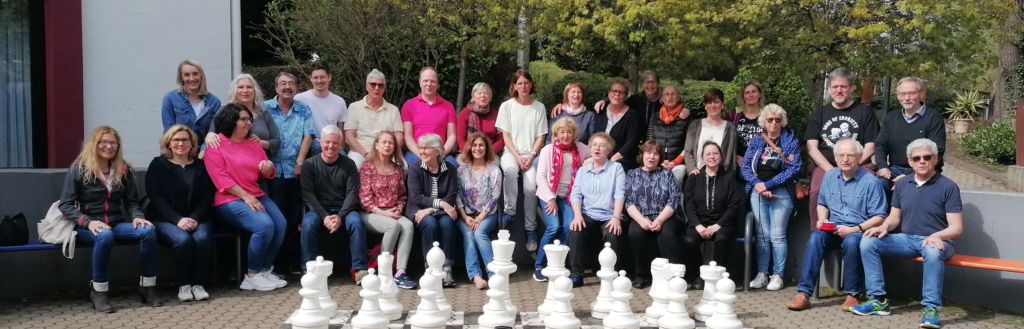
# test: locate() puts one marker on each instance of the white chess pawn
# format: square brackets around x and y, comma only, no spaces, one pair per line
[495,312]
[562,316]
[324,270]
[370,315]
[428,316]
[725,316]
[621,315]
[389,289]
[556,253]
[711,273]
[676,317]
[659,279]
[435,263]
[503,265]
[310,315]
[601,305]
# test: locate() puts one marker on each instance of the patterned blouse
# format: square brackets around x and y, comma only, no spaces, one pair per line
[651,191]
[381,191]
[479,192]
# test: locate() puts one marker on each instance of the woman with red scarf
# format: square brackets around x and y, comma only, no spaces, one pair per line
[478,116]
[556,174]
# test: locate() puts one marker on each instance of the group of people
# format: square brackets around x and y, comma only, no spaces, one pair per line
[628,170]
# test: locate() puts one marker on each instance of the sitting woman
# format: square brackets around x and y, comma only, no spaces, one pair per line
[652,197]
[100,185]
[670,131]
[433,188]
[712,204]
[771,165]
[556,175]
[480,188]
[234,168]
[597,203]
[382,195]
[180,194]
[622,123]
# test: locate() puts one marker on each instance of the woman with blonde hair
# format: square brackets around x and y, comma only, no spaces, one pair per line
[246,92]
[190,104]
[556,175]
[382,194]
[100,185]
[477,203]
[572,107]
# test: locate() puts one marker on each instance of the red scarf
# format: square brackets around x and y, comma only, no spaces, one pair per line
[473,123]
[556,163]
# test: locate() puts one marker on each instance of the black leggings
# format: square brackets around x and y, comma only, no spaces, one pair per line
[693,256]
[668,242]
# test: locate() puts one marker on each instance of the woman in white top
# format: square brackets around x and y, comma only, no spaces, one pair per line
[523,124]
[710,129]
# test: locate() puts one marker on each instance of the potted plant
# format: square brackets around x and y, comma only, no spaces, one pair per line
[963,109]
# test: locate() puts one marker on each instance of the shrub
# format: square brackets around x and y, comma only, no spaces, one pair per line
[596,88]
[691,92]
[544,76]
[996,142]
[781,86]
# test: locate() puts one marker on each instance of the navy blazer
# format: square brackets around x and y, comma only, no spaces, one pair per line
[418,181]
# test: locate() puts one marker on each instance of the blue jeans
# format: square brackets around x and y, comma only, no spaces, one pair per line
[412,158]
[478,240]
[121,232]
[903,246]
[440,229]
[555,227]
[312,225]
[192,250]
[267,228]
[887,183]
[822,242]
[772,218]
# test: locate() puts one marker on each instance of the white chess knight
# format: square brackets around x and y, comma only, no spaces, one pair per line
[561,316]
[659,279]
[428,316]
[323,269]
[621,315]
[711,273]
[370,316]
[676,317]
[435,261]
[310,315]
[502,265]
[556,253]
[495,312]
[600,307]
[389,289]
[725,316]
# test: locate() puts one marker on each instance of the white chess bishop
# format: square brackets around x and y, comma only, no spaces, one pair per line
[370,316]
[562,316]
[435,262]
[621,315]
[310,315]
[659,280]
[711,273]
[502,265]
[495,312]
[600,307]
[389,289]
[428,316]
[556,253]
[676,316]
[725,316]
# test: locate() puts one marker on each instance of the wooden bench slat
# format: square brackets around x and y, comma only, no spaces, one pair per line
[984,263]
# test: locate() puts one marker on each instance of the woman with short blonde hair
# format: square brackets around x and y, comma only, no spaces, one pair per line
[556,176]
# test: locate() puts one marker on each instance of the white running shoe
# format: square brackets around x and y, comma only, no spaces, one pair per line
[257,282]
[775,284]
[273,279]
[200,293]
[185,293]
[759,281]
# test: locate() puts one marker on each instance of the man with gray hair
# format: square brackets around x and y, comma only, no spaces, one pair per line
[858,120]
[370,116]
[899,128]
[931,213]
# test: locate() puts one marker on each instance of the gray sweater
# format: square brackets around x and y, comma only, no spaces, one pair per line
[693,137]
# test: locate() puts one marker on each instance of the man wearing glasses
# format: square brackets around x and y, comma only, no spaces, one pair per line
[899,128]
[370,116]
[328,108]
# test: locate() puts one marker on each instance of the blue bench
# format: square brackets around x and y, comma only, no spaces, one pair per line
[34,245]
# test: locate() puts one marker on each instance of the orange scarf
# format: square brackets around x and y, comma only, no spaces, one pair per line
[670,114]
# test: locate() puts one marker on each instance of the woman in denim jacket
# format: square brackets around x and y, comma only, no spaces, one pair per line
[190,104]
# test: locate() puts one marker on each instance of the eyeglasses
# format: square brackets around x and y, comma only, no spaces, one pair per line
[181,140]
[286,83]
[245,119]
[907,94]
[925,157]
[111,144]
[847,156]
[618,92]
[777,120]
[650,82]
[375,85]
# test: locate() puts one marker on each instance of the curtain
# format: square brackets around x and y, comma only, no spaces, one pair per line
[15,85]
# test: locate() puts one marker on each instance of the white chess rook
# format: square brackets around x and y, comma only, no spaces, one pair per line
[556,253]
[725,316]
[659,279]
[370,315]
[621,315]
[389,289]
[495,312]
[428,316]
[435,263]
[562,317]
[601,305]
[502,265]
[711,273]
[310,315]
[324,270]
[676,316]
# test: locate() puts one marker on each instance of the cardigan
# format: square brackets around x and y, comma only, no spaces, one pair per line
[628,134]
[171,198]
[728,145]
[725,202]
[545,168]
[790,146]
[418,180]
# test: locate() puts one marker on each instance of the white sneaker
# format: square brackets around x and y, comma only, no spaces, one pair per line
[759,281]
[273,279]
[775,284]
[257,282]
[185,293]
[200,293]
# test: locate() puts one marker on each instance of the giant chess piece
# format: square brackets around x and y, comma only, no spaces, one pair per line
[495,312]
[659,279]
[389,289]
[711,273]
[562,316]
[621,315]
[600,307]
[556,253]
[323,269]
[502,265]
[310,315]
[676,317]
[725,316]
[370,316]
[428,316]
[435,262]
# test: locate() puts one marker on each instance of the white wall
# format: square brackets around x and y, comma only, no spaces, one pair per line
[130,53]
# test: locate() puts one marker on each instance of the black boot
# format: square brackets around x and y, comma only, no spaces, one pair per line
[147,292]
[99,298]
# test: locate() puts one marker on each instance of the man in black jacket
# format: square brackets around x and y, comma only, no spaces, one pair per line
[900,128]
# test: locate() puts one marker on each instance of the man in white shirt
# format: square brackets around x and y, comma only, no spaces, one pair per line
[328,108]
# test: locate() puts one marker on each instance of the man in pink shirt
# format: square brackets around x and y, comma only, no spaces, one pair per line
[428,113]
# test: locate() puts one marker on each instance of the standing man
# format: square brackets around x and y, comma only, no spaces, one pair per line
[930,209]
[899,128]
[295,125]
[328,109]
[370,116]
[830,123]
[428,113]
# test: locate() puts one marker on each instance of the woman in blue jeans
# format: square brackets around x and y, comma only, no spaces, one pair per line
[480,187]
[770,168]
[556,171]
[180,193]
[99,185]
[234,168]
[433,188]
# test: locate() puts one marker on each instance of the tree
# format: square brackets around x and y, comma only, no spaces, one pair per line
[1010,73]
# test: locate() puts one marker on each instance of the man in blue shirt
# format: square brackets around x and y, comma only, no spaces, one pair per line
[294,122]
[929,207]
[597,198]
[852,200]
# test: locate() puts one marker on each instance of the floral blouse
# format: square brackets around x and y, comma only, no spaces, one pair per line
[479,192]
[381,191]
[651,191]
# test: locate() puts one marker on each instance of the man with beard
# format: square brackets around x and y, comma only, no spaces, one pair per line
[326,107]
[899,128]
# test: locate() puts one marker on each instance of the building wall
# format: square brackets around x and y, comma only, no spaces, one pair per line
[131,50]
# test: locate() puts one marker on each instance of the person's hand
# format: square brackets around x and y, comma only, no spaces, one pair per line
[253,138]
[668,164]
[614,226]
[878,231]
[684,113]
[644,223]
[451,212]
[820,221]
[884,173]
[702,231]
[551,209]
[393,213]
[827,167]
[577,223]
[526,162]
[842,231]
[136,222]
[96,226]
[212,141]
[656,225]
[298,169]
[599,106]
[555,111]
[187,224]
[422,213]
[694,172]
[265,167]
[332,223]
[712,230]
[253,203]
[616,157]
[894,180]
[933,240]
[759,187]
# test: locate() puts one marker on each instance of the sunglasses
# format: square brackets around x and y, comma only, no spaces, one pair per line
[375,85]
[925,157]
[778,120]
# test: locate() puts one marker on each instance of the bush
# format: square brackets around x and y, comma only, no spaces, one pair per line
[691,93]
[596,87]
[996,142]
[544,76]
[781,86]
[265,76]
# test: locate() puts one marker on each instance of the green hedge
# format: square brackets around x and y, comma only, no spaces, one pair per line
[997,142]
[781,86]
[595,85]
[691,92]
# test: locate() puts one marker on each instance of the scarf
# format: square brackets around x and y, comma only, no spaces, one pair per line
[670,114]
[556,163]
[574,112]
[473,124]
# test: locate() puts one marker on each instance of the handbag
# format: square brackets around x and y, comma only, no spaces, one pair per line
[57,229]
[801,190]
[13,230]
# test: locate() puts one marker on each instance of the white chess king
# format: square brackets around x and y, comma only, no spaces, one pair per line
[503,265]
[556,253]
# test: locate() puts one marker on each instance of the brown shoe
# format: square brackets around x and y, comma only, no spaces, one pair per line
[799,303]
[851,301]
